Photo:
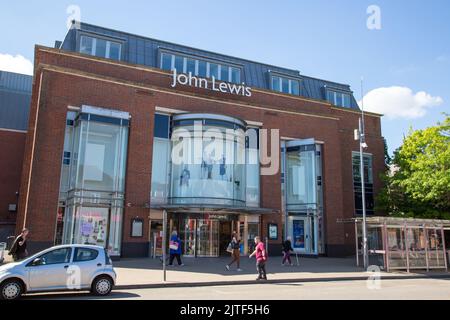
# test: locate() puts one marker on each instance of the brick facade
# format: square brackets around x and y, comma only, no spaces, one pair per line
[12,143]
[65,79]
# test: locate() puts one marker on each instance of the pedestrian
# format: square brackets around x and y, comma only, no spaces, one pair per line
[175,249]
[261,259]
[287,250]
[235,247]
[19,247]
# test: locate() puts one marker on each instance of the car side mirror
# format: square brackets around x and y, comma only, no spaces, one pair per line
[37,262]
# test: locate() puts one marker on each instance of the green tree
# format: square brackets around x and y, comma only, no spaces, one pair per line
[419,183]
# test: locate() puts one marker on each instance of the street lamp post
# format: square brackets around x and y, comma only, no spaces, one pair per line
[362,145]
[361,136]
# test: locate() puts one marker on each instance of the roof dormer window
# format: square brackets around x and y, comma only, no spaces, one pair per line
[340,99]
[100,47]
[285,85]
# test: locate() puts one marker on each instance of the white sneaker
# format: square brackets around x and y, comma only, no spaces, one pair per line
[228,267]
[239,270]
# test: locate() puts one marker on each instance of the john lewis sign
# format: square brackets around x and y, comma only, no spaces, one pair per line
[197,82]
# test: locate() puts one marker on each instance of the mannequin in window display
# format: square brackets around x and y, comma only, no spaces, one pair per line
[185,176]
[207,167]
[223,169]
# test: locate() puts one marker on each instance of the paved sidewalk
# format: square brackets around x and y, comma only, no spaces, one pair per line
[147,273]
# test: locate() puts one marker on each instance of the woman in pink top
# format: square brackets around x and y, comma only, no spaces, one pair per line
[261,258]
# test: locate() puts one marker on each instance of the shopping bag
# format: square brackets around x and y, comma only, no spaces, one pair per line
[173,245]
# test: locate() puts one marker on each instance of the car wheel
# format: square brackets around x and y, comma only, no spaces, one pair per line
[102,286]
[10,290]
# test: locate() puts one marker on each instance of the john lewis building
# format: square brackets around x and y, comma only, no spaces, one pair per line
[122,127]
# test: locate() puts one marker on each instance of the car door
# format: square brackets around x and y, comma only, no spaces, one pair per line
[86,261]
[51,270]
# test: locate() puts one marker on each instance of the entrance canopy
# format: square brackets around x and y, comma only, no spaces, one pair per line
[403,243]
[195,208]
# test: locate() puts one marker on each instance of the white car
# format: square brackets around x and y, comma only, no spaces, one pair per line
[60,268]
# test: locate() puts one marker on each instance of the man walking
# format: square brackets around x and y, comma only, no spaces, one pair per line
[19,247]
[261,259]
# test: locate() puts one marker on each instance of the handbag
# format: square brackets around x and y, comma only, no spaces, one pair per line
[230,248]
[173,245]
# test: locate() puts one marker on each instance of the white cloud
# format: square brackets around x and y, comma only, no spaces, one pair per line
[17,64]
[400,102]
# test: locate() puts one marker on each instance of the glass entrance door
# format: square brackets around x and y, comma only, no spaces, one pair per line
[207,238]
[302,231]
[189,237]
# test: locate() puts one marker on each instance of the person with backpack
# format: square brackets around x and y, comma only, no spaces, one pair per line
[287,250]
[19,247]
[175,249]
[261,259]
[235,249]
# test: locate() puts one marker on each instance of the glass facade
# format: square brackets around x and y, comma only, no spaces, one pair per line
[302,189]
[93,184]
[208,162]
[205,159]
[368,183]
[161,159]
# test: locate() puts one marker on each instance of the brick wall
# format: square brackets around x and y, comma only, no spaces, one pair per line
[12,144]
[69,79]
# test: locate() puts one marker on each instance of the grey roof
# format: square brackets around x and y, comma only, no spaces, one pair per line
[146,51]
[15,98]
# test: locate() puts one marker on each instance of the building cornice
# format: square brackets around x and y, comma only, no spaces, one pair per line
[151,88]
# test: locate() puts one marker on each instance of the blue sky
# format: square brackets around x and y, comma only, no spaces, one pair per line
[405,64]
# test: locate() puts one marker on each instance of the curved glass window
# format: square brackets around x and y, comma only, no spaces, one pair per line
[208,160]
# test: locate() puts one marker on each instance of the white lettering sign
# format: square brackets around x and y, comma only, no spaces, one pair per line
[197,82]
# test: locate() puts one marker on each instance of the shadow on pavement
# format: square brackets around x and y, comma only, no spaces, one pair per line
[79,296]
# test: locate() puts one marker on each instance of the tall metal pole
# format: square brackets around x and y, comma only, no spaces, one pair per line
[363,196]
[362,144]
[164,243]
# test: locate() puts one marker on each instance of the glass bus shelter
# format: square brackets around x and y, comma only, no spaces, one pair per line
[404,243]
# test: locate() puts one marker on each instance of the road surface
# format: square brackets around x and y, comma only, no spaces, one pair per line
[341,290]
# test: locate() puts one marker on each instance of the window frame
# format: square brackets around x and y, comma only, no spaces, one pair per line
[335,98]
[82,248]
[280,84]
[368,184]
[220,65]
[94,46]
[30,264]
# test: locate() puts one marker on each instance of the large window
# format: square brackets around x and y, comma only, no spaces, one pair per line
[253,168]
[285,85]
[161,158]
[301,176]
[100,47]
[339,99]
[202,68]
[208,162]
[368,183]
[93,177]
